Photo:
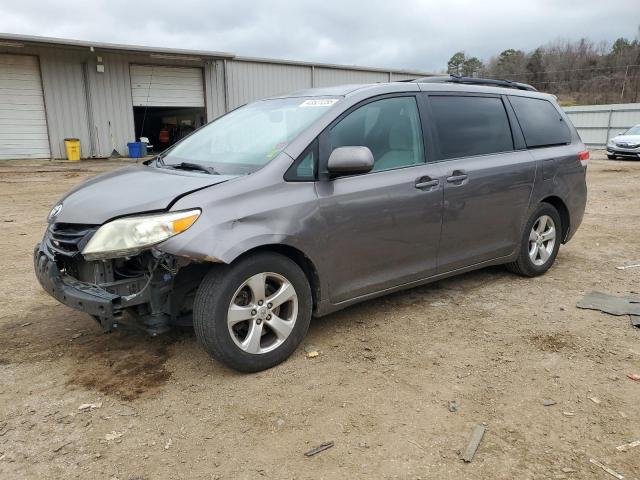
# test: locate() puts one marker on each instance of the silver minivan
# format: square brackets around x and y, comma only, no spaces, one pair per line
[300,205]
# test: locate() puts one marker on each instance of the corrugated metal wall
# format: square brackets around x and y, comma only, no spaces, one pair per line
[97,107]
[248,81]
[327,77]
[596,124]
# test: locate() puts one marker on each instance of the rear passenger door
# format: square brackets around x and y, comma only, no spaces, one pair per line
[488,177]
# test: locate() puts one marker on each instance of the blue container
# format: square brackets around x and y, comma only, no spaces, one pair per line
[137,149]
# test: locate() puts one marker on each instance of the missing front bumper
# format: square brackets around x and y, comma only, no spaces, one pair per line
[104,302]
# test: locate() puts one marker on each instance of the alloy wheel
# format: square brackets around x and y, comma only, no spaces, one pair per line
[542,240]
[262,313]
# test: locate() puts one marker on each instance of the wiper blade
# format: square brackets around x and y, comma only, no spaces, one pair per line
[195,167]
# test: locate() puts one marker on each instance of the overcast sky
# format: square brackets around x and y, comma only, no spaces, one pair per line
[412,34]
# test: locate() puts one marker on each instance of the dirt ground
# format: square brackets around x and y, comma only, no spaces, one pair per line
[496,343]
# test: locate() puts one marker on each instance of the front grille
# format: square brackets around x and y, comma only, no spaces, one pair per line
[68,238]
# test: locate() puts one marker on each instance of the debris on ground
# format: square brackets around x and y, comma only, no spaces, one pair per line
[89,406]
[595,400]
[311,351]
[568,470]
[76,335]
[320,448]
[60,447]
[453,406]
[474,443]
[624,267]
[634,377]
[610,303]
[113,436]
[26,324]
[568,414]
[609,470]
[627,446]
[547,402]
[168,444]
[635,320]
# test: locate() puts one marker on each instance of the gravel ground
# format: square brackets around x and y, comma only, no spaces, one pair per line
[497,344]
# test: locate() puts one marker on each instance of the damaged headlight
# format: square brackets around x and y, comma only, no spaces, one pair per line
[130,235]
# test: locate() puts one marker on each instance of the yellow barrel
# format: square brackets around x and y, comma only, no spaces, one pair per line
[72,146]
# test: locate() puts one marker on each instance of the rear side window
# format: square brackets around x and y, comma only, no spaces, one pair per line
[468,126]
[541,123]
[389,127]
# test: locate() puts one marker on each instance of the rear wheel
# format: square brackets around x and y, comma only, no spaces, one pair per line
[251,315]
[540,243]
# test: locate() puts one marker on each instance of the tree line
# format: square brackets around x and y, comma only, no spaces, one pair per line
[578,72]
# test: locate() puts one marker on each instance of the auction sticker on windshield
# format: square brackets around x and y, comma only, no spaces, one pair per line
[319,102]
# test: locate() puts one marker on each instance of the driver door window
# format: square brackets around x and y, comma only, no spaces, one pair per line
[390,128]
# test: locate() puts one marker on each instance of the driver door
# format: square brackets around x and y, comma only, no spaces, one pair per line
[382,228]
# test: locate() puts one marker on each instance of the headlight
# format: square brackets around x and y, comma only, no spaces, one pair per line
[130,235]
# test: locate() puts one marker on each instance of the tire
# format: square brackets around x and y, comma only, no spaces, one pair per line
[545,253]
[611,157]
[238,346]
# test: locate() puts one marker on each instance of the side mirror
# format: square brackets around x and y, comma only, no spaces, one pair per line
[350,160]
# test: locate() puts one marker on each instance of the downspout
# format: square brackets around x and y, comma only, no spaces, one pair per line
[89,102]
[226,85]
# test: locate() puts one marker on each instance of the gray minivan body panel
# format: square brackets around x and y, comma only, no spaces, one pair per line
[365,235]
[135,189]
[369,258]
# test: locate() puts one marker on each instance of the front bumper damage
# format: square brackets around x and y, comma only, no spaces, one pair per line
[154,288]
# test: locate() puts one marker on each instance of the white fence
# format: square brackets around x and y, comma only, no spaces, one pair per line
[596,124]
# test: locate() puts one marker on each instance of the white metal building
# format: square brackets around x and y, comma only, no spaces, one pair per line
[107,95]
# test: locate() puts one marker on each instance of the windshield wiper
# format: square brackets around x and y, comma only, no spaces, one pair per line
[194,167]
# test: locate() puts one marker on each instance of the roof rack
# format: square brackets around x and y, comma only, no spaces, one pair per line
[476,81]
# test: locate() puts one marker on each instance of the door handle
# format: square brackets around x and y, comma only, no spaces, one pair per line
[426,182]
[458,176]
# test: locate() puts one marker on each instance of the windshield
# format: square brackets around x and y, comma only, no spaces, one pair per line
[633,130]
[246,139]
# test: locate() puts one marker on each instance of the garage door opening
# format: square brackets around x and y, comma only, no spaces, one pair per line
[164,126]
[168,103]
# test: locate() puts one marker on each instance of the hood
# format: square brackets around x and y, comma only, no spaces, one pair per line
[130,190]
[631,139]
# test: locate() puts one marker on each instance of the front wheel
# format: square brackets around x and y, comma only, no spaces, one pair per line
[540,242]
[611,157]
[251,315]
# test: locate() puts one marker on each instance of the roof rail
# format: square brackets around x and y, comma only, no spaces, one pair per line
[476,81]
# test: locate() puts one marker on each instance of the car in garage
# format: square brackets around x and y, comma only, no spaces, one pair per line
[626,144]
[303,204]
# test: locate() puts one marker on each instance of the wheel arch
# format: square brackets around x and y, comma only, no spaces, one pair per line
[563,211]
[300,258]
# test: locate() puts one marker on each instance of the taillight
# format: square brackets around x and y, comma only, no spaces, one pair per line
[584,157]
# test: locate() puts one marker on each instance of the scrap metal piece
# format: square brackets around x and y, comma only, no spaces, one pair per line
[474,443]
[610,471]
[627,446]
[320,448]
[610,304]
[624,267]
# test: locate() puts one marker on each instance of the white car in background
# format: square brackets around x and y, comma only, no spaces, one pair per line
[625,144]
